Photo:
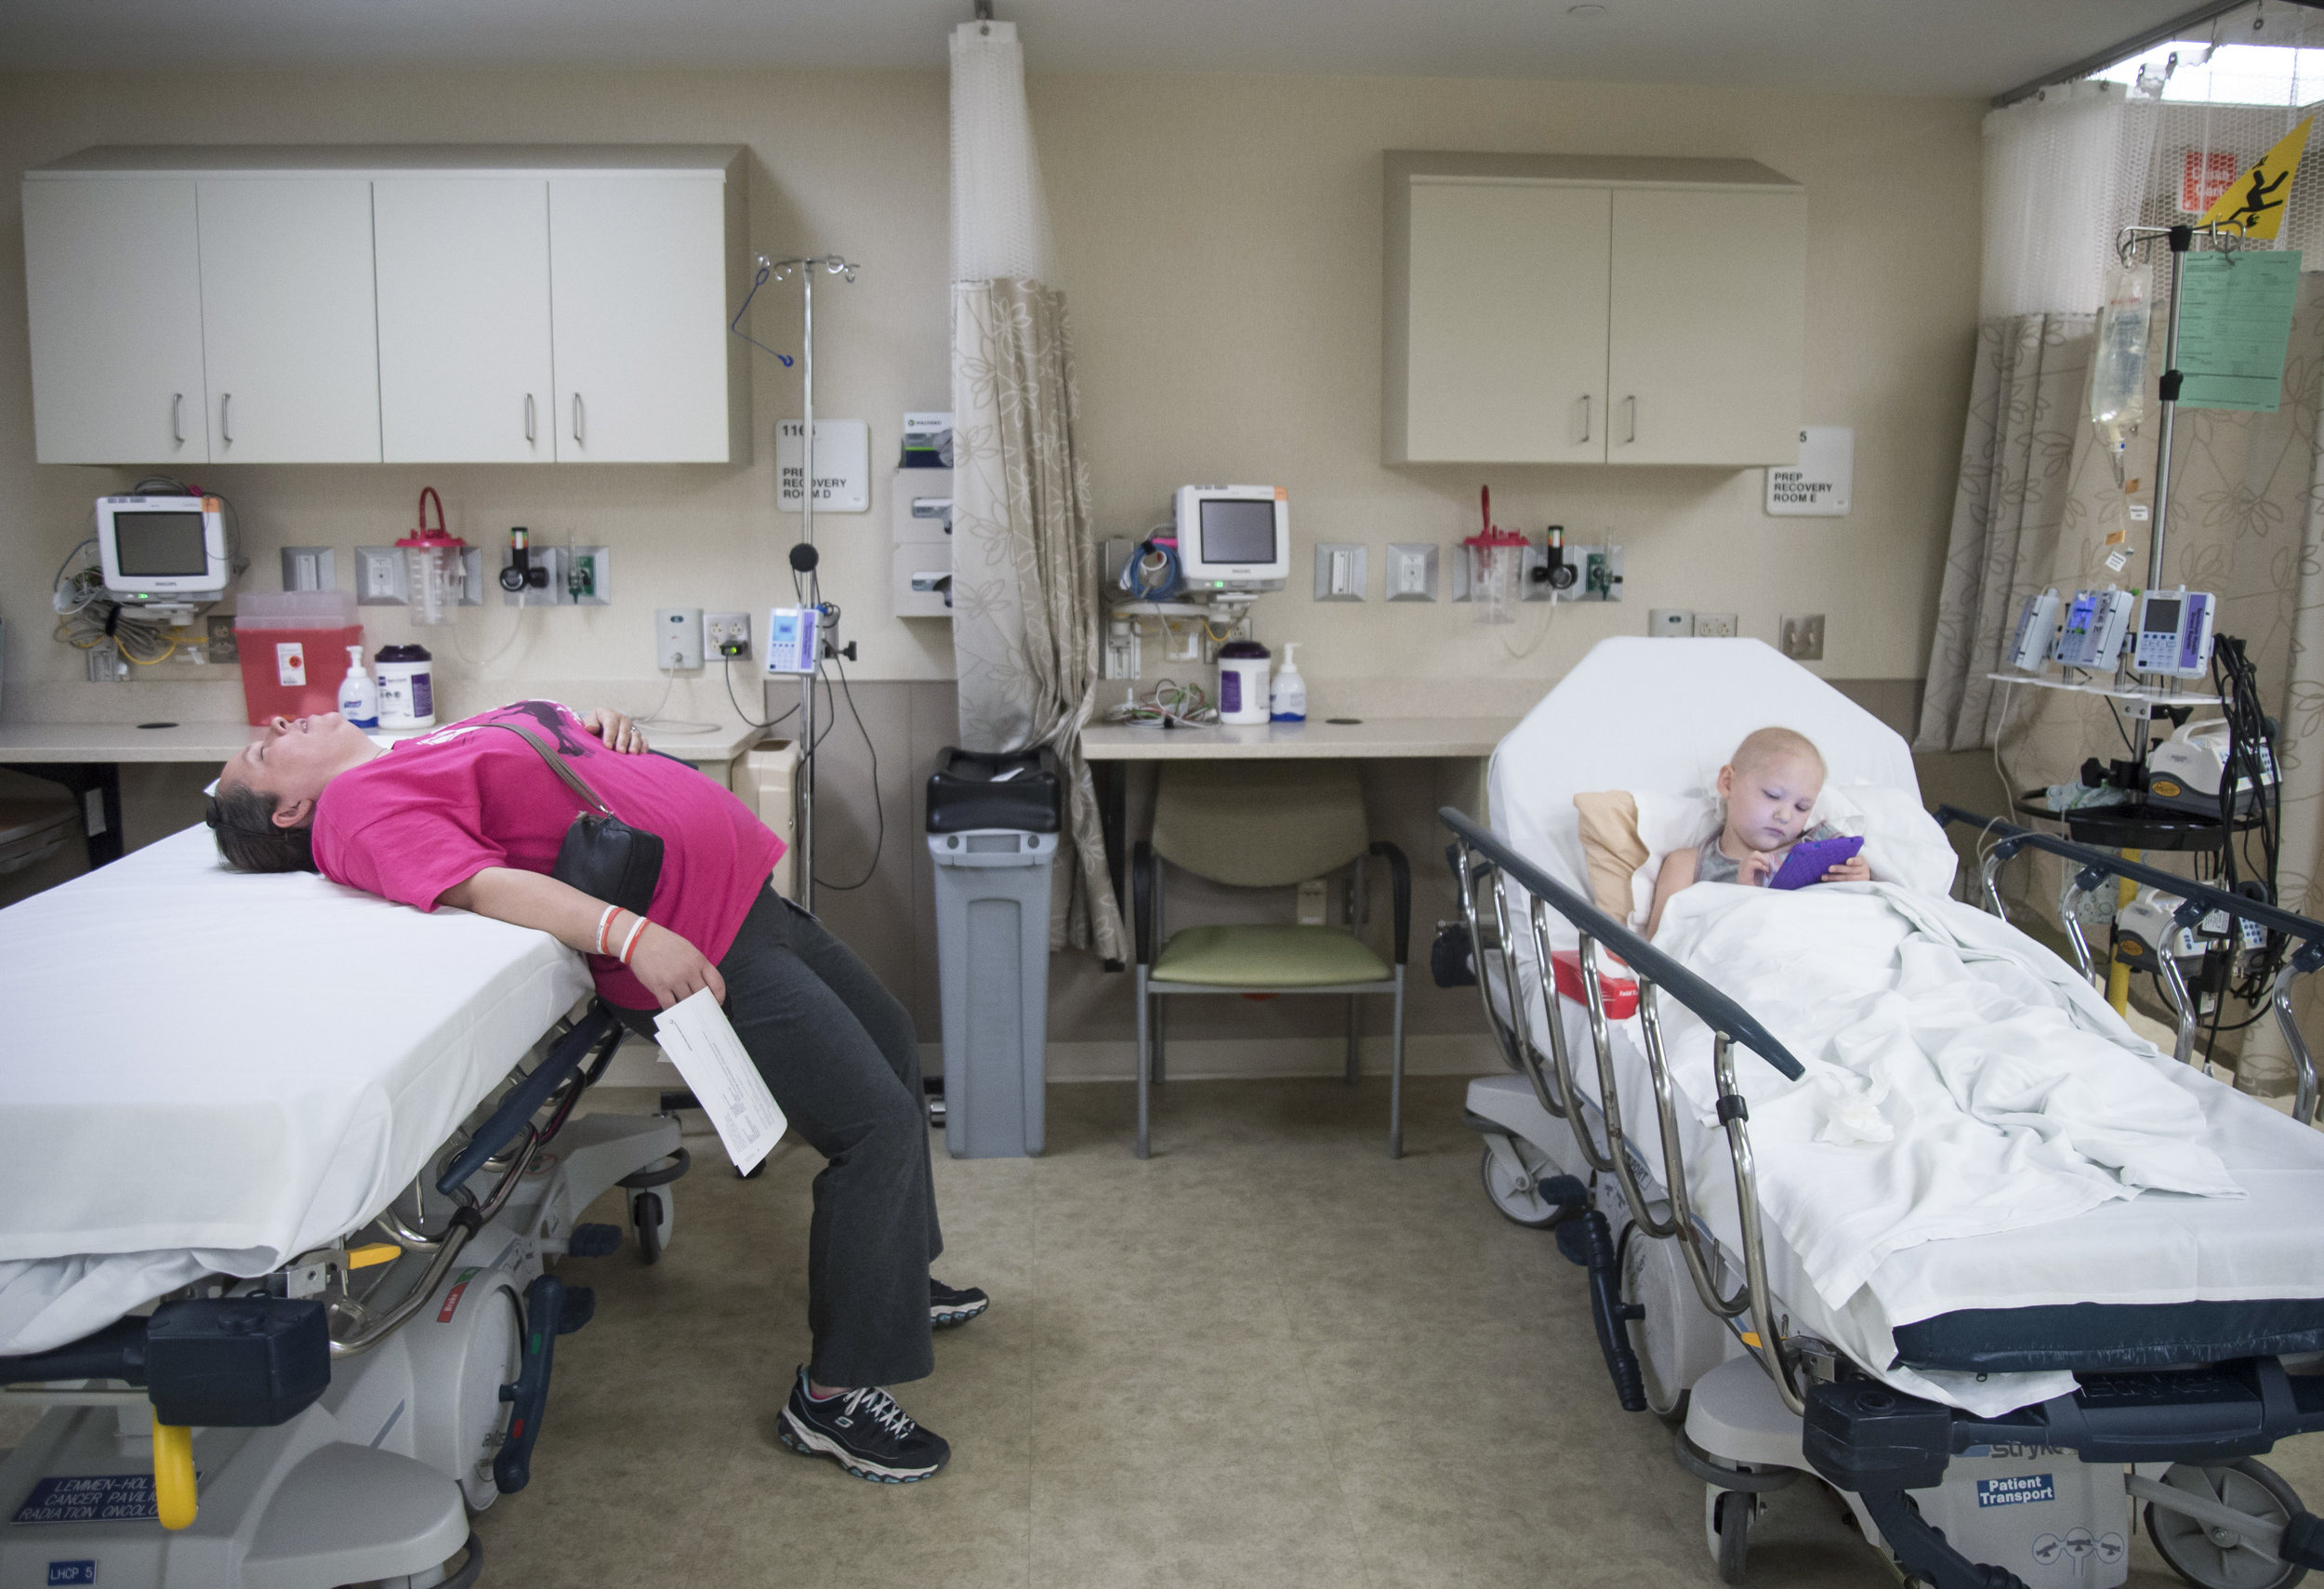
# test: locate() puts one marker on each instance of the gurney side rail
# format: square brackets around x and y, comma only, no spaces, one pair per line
[1730,1025]
[2198,900]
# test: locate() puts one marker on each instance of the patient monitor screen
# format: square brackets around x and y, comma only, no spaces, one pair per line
[1238,532]
[152,546]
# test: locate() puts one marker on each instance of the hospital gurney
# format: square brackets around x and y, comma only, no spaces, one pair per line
[1703,1311]
[350,1350]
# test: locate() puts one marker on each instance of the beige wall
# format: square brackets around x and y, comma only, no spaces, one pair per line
[1218,238]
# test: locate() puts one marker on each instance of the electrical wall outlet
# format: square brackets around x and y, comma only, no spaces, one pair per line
[309,568]
[382,577]
[1341,573]
[590,575]
[1804,636]
[1411,572]
[677,638]
[220,643]
[1715,626]
[726,634]
[1670,623]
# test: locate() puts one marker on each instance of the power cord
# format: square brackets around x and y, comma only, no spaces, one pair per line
[672,725]
[879,812]
[738,705]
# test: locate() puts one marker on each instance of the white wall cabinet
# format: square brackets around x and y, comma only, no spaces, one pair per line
[642,349]
[1555,308]
[465,375]
[288,333]
[413,304]
[113,290]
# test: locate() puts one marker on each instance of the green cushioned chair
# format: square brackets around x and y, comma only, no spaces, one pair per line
[1271,824]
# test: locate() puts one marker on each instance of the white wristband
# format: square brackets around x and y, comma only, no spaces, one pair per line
[630,942]
[602,923]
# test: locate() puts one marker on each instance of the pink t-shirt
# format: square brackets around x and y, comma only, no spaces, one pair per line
[433,812]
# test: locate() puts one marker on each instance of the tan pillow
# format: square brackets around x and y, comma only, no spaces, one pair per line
[1611,845]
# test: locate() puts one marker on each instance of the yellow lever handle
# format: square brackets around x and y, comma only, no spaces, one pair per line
[364,1257]
[172,1474]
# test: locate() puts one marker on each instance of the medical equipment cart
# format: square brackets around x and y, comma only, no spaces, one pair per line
[993,820]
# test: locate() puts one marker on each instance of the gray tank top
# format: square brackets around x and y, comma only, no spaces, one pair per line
[1712,866]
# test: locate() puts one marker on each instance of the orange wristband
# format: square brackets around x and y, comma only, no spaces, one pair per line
[630,943]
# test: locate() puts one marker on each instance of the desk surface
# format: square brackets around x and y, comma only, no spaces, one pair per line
[1317,737]
[217,741]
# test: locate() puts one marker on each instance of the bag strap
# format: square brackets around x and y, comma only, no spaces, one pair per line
[557,766]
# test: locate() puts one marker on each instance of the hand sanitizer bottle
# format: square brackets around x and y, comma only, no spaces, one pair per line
[359,696]
[1288,701]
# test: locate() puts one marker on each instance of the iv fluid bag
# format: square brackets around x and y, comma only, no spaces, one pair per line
[2118,381]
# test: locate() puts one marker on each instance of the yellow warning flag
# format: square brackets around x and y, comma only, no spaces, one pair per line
[2254,205]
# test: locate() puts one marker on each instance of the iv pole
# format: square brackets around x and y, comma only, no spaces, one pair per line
[804,556]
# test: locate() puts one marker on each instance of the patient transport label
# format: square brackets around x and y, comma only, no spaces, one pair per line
[71,1572]
[452,1297]
[91,1498]
[2024,1488]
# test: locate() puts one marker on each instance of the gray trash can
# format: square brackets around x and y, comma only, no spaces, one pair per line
[992,831]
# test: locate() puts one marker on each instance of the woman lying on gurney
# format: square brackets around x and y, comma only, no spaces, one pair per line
[473,816]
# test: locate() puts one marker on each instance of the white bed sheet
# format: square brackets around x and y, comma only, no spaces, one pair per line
[203,1071]
[2154,1248]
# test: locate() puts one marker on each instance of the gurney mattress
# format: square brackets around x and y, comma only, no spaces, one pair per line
[204,1071]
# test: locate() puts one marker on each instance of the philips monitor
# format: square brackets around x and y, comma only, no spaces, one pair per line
[163,550]
[1234,538]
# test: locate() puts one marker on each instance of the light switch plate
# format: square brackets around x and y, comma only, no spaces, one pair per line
[1411,572]
[309,568]
[1802,636]
[382,577]
[1670,623]
[1340,572]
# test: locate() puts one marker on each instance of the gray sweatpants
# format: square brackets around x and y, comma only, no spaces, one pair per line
[840,1054]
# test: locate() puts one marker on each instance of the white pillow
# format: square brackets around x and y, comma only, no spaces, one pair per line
[1667,823]
[1903,843]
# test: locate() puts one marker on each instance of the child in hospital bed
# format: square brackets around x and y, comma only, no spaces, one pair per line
[1769,788]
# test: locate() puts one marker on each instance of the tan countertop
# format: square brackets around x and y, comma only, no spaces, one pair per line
[217,741]
[1362,739]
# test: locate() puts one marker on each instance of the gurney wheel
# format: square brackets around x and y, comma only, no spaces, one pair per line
[2209,1560]
[646,1210]
[1732,1518]
[1526,1206]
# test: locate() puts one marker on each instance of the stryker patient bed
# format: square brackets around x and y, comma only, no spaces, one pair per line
[274,1108]
[2145,1333]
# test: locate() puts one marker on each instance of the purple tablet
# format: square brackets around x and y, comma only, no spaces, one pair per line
[1811,859]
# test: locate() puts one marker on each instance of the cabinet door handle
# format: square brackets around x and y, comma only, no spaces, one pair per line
[176,417]
[528,417]
[577,420]
[225,411]
[1585,415]
[1631,403]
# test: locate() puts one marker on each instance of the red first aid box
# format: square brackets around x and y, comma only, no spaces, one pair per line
[1619,993]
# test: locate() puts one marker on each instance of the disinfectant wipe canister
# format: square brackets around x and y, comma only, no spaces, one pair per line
[1242,681]
[407,687]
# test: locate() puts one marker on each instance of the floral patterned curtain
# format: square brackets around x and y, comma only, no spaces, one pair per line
[2026,405]
[1024,617]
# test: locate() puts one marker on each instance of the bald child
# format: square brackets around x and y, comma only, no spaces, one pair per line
[1769,787]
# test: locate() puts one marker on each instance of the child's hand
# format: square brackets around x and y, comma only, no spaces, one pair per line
[1755,868]
[1856,868]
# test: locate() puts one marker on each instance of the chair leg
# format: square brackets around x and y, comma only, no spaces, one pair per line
[1395,1074]
[1145,1002]
[1354,1062]
[1159,1074]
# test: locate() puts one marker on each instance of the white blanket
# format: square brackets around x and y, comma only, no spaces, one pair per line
[1961,1080]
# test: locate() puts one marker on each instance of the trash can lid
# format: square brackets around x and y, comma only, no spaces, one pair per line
[995,788]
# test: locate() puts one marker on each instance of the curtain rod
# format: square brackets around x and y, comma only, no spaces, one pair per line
[2132,46]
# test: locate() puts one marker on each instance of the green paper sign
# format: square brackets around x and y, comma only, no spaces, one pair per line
[2235,326]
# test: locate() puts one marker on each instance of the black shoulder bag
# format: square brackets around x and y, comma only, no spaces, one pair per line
[603,855]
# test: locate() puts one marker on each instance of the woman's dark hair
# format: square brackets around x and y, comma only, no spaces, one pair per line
[243,818]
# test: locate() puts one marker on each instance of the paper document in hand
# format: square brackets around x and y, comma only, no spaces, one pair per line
[697,1038]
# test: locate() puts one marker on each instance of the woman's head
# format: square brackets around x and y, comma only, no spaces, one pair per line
[264,809]
[1770,786]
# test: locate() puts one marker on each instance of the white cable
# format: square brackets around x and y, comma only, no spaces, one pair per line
[672,725]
